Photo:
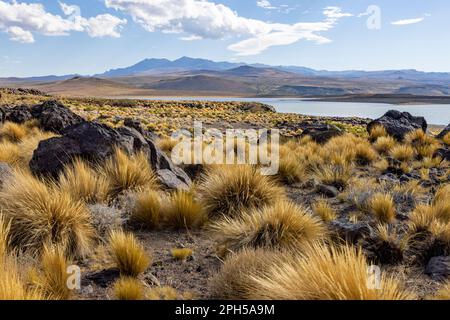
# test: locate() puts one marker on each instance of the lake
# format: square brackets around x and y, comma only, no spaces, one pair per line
[434,114]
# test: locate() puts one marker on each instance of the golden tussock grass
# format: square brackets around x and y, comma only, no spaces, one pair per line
[167,145]
[234,282]
[402,152]
[10,153]
[83,183]
[365,154]
[40,214]
[325,273]
[424,144]
[128,254]
[181,254]
[4,237]
[283,225]
[129,172]
[334,175]
[13,132]
[384,144]
[53,275]
[127,288]
[381,205]
[147,210]
[446,139]
[443,293]
[183,211]
[377,132]
[323,209]
[442,194]
[163,293]
[227,190]
[291,169]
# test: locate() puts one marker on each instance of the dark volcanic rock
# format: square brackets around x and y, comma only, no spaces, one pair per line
[328,191]
[135,124]
[398,124]
[349,231]
[55,117]
[444,153]
[444,132]
[103,278]
[19,114]
[438,267]
[257,107]
[321,133]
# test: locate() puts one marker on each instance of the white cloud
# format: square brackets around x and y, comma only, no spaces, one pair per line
[265,4]
[21,20]
[201,19]
[407,21]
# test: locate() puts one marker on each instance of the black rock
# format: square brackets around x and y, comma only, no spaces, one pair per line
[321,133]
[55,117]
[444,132]
[103,278]
[328,191]
[444,153]
[398,124]
[19,114]
[351,232]
[438,268]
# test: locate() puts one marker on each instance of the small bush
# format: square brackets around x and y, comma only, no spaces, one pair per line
[128,289]
[183,211]
[128,254]
[13,132]
[382,207]
[377,132]
[384,144]
[181,254]
[323,209]
[147,209]
[402,153]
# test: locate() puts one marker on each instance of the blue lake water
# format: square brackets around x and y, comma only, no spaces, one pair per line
[434,114]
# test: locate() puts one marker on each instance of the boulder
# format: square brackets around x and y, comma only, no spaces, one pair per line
[444,153]
[328,191]
[19,114]
[321,133]
[257,107]
[349,231]
[444,132]
[398,124]
[438,268]
[55,117]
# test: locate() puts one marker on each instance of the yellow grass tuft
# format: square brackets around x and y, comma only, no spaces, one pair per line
[129,289]
[377,132]
[382,206]
[402,153]
[446,139]
[365,154]
[167,145]
[181,254]
[13,132]
[283,225]
[83,183]
[334,175]
[162,293]
[290,169]
[323,209]
[129,172]
[4,237]
[40,215]
[183,211]
[227,190]
[325,273]
[128,254]
[147,209]
[384,144]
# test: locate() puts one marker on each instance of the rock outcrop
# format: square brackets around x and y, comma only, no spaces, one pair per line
[398,124]
[321,133]
[54,116]
[444,132]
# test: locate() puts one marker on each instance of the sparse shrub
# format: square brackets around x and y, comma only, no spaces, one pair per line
[183,211]
[128,254]
[234,280]
[127,288]
[334,175]
[52,278]
[377,132]
[40,214]
[83,183]
[365,154]
[129,172]
[384,144]
[382,207]
[227,190]
[424,145]
[13,132]
[325,273]
[402,153]
[323,209]
[147,209]
[181,254]
[105,218]
[283,225]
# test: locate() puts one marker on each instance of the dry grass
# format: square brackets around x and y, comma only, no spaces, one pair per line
[323,209]
[127,288]
[163,293]
[40,215]
[443,293]
[424,144]
[83,183]
[377,132]
[4,237]
[325,273]
[381,205]
[446,139]
[13,132]
[234,281]
[291,169]
[183,211]
[128,254]
[283,225]
[181,254]
[402,152]
[129,172]
[167,145]
[442,194]
[365,154]
[384,144]
[53,276]
[228,190]
[147,210]
[334,175]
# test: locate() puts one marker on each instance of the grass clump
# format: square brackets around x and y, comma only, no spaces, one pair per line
[228,190]
[381,205]
[323,209]
[127,288]
[377,132]
[402,153]
[283,225]
[128,254]
[446,139]
[325,273]
[147,209]
[384,144]
[181,254]
[40,214]
[13,132]
[183,211]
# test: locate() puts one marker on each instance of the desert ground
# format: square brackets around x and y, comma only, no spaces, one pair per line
[88,186]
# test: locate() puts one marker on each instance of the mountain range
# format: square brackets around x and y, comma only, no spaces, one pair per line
[190,76]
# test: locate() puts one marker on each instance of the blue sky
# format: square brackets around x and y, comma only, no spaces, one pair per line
[88,37]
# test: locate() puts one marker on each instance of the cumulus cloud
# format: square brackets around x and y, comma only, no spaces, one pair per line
[407,21]
[201,19]
[265,4]
[21,20]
